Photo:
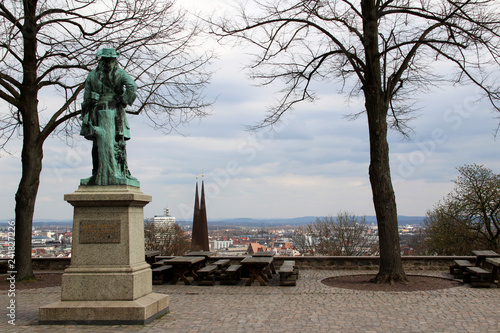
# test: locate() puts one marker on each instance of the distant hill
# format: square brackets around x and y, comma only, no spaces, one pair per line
[297,221]
[44,222]
[244,222]
[402,220]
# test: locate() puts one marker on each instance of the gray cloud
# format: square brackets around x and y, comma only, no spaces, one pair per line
[314,162]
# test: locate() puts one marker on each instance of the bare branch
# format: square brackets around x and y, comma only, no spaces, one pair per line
[294,36]
[156,40]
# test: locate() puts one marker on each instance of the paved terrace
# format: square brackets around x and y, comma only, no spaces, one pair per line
[308,307]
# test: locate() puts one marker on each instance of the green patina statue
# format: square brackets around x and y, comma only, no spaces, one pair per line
[108,90]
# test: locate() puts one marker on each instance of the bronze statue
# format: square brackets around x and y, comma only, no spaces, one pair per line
[108,90]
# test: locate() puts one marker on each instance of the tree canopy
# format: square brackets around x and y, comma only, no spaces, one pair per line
[468,218]
[343,235]
[170,240]
[157,42]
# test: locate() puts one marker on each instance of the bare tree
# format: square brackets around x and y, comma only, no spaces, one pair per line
[417,242]
[302,241]
[469,217]
[169,240]
[345,235]
[387,50]
[51,46]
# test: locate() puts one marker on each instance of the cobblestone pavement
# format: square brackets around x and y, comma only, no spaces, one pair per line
[308,307]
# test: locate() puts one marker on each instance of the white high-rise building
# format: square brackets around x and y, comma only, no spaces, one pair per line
[164,221]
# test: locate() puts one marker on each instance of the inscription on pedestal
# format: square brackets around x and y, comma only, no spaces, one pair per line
[99,232]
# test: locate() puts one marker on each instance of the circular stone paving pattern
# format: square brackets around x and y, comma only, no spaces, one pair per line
[416,283]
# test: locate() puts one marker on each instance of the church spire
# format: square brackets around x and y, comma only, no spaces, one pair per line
[203,220]
[195,238]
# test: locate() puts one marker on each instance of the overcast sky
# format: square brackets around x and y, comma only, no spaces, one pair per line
[315,162]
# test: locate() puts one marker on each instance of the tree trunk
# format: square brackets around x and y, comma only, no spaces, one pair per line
[25,205]
[32,153]
[384,200]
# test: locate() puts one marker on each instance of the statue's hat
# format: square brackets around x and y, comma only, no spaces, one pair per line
[107,53]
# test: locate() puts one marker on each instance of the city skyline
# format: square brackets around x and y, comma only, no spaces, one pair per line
[313,163]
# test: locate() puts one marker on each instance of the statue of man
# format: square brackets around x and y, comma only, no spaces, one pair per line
[108,90]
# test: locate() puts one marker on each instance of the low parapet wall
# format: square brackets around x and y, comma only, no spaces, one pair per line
[369,262]
[307,262]
[50,264]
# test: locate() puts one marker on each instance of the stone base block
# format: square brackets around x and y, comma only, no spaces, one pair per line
[106,283]
[138,312]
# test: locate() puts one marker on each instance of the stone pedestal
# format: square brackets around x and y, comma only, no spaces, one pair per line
[108,281]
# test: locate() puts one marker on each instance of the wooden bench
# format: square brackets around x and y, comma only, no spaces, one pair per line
[295,269]
[158,263]
[459,267]
[288,273]
[231,275]
[495,274]
[207,275]
[477,277]
[160,273]
[221,264]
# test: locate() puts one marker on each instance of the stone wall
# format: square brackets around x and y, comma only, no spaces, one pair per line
[372,263]
[50,264]
[345,263]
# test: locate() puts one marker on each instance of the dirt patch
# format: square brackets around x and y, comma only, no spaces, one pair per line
[42,280]
[416,283]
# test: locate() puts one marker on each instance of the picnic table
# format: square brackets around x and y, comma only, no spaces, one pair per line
[495,262]
[481,256]
[184,266]
[221,263]
[206,254]
[271,268]
[150,256]
[256,266]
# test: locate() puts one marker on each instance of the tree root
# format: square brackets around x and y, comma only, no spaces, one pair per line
[27,278]
[390,278]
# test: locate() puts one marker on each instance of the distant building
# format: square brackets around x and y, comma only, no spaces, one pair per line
[232,251]
[38,239]
[159,232]
[288,250]
[220,244]
[165,221]
[49,234]
[253,248]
